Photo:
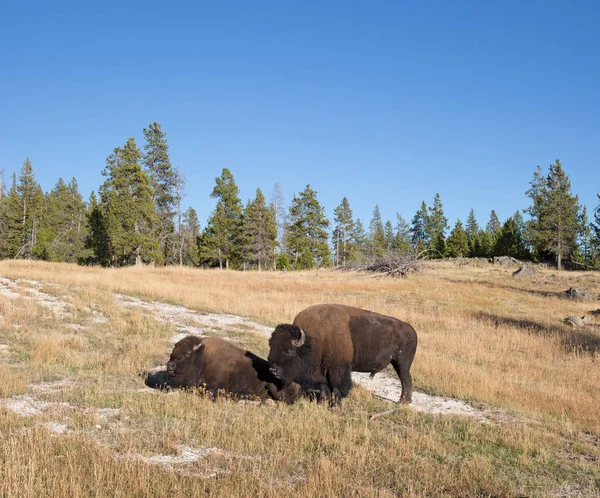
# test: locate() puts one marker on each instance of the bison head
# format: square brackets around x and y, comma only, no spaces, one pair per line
[290,353]
[182,363]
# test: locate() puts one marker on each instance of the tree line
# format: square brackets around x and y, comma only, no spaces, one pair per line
[136,217]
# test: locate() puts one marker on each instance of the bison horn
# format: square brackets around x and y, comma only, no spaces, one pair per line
[299,342]
[198,346]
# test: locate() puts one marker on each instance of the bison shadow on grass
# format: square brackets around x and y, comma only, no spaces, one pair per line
[217,366]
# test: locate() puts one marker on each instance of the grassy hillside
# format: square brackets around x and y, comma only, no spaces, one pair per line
[70,356]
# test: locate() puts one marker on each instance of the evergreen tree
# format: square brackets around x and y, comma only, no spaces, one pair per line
[260,231]
[402,237]
[597,220]
[509,241]
[377,241]
[189,232]
[165,182]
[554,222]
[221,242]
[484,244]
[344,225]
[419,224]
[307,231]
[31,200]
[388,230]
[588,248]
[358,250]
[457,244]
[97,237]
[472,229]
[128,209]
[11,222]
[437,226]
[62,232]
[494,224]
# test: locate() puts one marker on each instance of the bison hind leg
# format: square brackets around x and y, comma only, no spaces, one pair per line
[403,371]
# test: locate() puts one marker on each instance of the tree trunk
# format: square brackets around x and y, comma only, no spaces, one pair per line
[558,261]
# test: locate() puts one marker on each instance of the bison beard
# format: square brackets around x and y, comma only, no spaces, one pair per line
[329,341]
[215,364]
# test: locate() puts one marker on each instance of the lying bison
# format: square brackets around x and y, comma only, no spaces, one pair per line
[217,364]
[328,341]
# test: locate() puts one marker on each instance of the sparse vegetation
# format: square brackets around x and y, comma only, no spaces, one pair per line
[484,337]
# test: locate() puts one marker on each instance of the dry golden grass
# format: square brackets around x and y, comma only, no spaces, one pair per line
[484,336]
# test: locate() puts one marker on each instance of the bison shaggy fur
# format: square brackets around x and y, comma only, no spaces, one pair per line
[327,342]
[218,365]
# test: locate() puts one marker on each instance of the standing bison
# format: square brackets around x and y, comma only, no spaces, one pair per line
[328,341]
[217,364]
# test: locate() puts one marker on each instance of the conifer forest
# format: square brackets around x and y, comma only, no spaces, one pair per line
[136,217]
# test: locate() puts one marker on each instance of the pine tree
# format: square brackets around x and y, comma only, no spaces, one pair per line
[62,232]
[402,237]
[377,240]
[457,244]
[493,226]
[436,227]
[554,222]
[189,232]
[509,241]
[472,229]
[260,231]
[419,224]
[97,240]
[221,241]
[164,181]
[344,225]
[484,244]
[31,199]
[128,208]
[11,222]
[388,230]
[358,251]
[307,231]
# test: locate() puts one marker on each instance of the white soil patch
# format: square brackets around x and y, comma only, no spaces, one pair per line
[6,288]
[59,306]
[390,388]
[56,428]
[186,455]
[191,322]
[25,405]
[31,291]
[4,349]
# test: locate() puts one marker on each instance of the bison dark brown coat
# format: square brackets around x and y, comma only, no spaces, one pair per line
[328,341]
[217,364]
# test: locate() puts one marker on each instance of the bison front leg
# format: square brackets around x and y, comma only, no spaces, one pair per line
[340,381]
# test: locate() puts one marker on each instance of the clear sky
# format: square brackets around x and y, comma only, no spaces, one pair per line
[382,102]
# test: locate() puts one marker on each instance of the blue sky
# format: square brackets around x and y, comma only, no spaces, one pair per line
[382,102]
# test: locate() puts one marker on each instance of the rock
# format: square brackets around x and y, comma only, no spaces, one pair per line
[575,321]
[506,261]
[526,270]
[581,293]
